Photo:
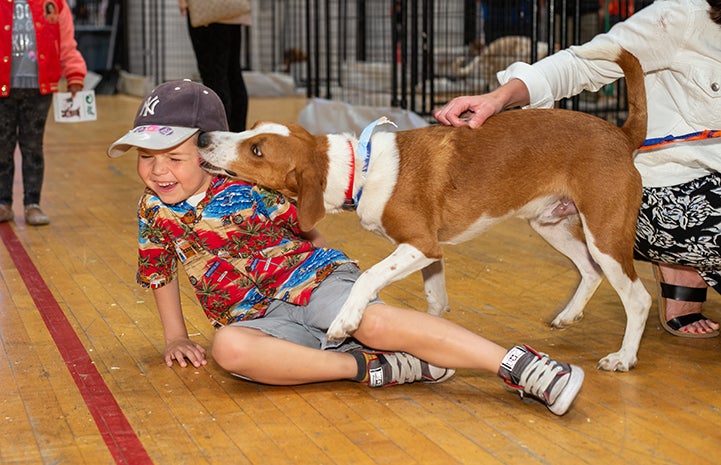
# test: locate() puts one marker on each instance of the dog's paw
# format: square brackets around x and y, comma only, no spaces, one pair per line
[344,325]
[350,314]
[617,362]
[438,311]
[337,331]
[563,321]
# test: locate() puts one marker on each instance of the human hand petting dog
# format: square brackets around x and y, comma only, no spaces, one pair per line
[474,110]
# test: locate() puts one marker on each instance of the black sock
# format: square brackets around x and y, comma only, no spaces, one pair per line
[360,359]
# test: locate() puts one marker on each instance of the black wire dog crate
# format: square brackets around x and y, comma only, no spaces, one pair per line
[409,54]
[418,54]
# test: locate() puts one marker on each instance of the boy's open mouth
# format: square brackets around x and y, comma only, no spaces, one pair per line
[166,186]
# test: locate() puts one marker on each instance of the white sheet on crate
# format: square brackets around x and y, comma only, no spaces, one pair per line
[321,116]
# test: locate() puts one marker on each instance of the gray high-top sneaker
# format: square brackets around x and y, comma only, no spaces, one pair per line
[553,383]
[390,368]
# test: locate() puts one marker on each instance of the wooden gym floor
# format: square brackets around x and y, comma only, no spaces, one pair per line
[82,379]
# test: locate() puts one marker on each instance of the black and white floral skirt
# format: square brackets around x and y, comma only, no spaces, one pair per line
[682,225]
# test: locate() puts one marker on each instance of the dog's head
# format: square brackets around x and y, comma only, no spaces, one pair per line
[282,157]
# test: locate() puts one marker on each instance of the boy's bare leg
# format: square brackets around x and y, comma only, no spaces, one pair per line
[434,339]
[253,354]
[439,342]
[443,343]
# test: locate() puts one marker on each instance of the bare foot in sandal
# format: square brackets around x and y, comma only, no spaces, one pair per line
[681,294]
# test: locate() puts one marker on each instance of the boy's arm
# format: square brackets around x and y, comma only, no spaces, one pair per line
[178,345]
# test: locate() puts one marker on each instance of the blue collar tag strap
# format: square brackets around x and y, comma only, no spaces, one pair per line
[364,147]
[657,142]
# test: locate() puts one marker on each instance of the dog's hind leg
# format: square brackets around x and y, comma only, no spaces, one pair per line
[434,283]
[403,261]
[614,223]
[565,236]
[636,301]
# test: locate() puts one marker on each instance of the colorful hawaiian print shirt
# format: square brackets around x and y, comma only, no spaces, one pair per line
[240,247]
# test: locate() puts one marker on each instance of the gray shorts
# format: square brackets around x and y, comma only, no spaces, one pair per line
[307,325]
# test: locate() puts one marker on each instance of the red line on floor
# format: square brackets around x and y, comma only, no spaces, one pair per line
[114,427]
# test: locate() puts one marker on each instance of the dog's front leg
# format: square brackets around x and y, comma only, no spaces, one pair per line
[434,283]
[403,261]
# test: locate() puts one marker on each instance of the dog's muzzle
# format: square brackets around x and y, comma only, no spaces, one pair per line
[204,141]
[216,169]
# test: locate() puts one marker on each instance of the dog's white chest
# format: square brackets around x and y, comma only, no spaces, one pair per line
[380,181]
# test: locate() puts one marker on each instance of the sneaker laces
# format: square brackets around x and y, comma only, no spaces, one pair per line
[404,368]
[540,376]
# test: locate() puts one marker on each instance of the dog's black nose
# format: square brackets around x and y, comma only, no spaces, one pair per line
[203,139]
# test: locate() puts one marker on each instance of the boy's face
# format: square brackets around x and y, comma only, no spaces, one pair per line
[173,174]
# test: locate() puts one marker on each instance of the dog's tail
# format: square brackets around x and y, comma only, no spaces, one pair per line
[636,123]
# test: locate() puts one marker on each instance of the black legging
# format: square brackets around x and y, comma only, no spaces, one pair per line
[217,52]
[22,121]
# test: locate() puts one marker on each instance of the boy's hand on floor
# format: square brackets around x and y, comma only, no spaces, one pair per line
[181,350]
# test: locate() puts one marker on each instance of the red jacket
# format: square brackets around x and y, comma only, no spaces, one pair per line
[58,55]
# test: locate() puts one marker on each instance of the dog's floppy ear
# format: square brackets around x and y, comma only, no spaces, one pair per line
[310,186]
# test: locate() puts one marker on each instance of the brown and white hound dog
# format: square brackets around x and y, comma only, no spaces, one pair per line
[570,174]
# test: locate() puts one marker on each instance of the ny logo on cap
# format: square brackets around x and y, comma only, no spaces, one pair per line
[149,105]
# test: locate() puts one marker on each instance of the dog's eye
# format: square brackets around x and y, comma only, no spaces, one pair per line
[255,150]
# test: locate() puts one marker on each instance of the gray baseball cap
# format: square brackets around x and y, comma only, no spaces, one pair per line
[172,112]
